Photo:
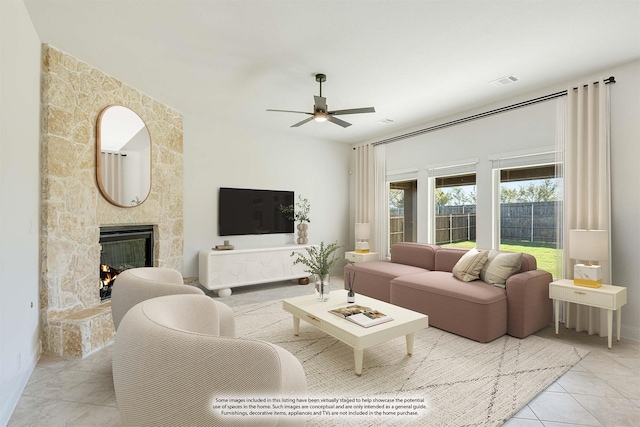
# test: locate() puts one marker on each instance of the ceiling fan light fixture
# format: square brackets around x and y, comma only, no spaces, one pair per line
[320,116]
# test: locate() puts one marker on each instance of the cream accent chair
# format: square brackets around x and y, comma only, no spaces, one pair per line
[171,361]
[139,284]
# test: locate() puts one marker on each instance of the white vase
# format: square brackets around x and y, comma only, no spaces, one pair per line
[302,233]
[322,287]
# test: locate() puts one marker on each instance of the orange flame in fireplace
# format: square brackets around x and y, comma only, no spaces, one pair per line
[107,275]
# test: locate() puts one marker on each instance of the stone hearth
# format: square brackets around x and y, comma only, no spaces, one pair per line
[73,320]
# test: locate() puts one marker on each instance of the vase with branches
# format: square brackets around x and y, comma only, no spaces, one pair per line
[300,214]
[318,261]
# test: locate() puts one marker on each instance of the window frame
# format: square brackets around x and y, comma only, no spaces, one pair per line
[400,175]
[443,170]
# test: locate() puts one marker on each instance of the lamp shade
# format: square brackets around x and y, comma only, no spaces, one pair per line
[363,230]
[589,245]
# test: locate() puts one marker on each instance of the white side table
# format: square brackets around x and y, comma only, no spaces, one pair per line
[609,297]
[358,257]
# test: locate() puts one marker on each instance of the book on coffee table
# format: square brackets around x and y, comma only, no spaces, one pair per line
[363,316]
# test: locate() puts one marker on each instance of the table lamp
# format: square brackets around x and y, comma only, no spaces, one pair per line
[363,232]
[587,246]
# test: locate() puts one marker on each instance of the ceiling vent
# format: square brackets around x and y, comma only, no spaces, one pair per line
[504,81]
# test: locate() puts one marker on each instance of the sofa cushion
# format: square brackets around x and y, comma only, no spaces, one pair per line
[444,283]
[372,278]
[415,254]
[387,269]
[470,265]
[475,310]
[446,258]
[500,266]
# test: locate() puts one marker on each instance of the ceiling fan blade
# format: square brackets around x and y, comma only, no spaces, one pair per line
[321,103]
[289,111]
[353,111]
[302,122]
[338,121]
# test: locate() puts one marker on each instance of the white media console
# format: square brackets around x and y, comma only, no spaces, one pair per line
[222,270]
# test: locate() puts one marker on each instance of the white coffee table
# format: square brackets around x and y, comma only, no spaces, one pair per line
[316,313]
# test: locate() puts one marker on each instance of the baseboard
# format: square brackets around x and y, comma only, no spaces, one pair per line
[629,332]
[9,405]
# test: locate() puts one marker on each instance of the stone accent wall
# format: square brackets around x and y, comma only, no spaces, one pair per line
[73,320]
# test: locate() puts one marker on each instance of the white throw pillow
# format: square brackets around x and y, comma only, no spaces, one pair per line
[500,266]
[469,266]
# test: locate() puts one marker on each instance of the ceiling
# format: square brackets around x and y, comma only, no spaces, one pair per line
[414,61]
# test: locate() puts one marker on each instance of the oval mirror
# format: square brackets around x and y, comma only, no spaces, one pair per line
[123,163]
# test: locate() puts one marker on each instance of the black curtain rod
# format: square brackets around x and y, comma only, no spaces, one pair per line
[482,115]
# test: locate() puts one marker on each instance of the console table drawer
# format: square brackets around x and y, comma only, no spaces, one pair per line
[361,257]
[582,297]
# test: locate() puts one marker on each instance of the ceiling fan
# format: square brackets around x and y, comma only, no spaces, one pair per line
[320,113]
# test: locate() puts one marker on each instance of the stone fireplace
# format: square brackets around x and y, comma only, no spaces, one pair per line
[74,320]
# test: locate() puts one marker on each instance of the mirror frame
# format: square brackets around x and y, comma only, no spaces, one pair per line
[103,190]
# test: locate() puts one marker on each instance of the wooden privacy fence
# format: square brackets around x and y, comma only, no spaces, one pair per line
[530,222]
[453,228]
[396,229]
[455,223]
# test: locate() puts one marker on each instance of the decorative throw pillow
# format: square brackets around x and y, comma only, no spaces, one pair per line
[469,266]
[500,266]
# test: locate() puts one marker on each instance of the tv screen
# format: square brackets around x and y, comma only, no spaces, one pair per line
[244,211]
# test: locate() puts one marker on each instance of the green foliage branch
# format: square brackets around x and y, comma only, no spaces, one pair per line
[298,212]
[544,191]
[318,260]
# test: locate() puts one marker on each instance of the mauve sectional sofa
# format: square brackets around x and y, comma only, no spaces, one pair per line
[419,277]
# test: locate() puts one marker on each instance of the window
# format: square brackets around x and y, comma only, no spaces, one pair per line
[403,197]
[455,210]
[530,208]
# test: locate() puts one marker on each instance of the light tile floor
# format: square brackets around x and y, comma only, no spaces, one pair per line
[602,390]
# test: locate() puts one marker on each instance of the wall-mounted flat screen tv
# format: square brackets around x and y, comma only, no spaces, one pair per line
[243,211]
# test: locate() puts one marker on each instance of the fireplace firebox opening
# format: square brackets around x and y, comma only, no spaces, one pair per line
[121,248]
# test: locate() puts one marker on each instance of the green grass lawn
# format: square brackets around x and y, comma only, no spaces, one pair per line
[546,254]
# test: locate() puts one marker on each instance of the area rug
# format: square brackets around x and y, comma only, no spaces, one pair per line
[449,380]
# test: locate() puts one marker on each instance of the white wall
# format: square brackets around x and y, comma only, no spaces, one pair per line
[19,202]
[532,128]
[625,194]
[222,154]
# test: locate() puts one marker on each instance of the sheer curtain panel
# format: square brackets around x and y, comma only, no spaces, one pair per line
[371,194]
[381,202]
[364,182]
